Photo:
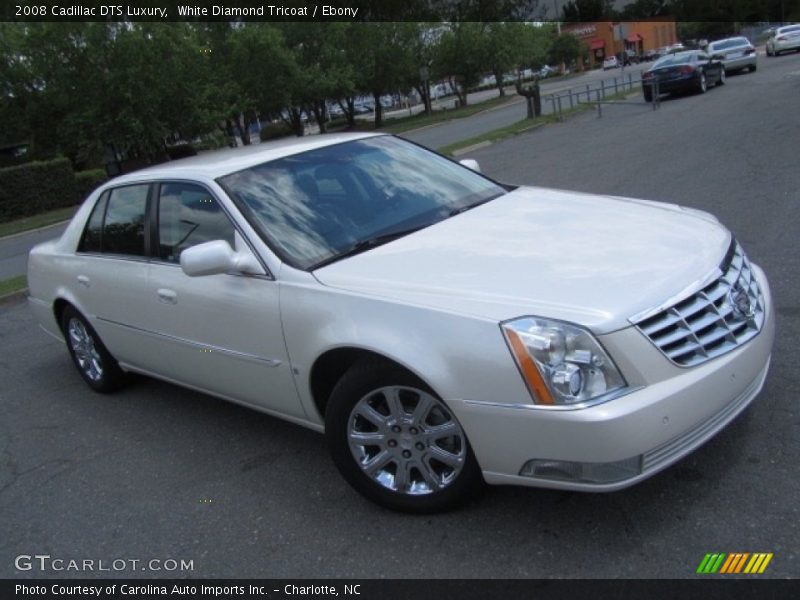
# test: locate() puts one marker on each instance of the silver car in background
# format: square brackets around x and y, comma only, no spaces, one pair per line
[736,53]
[783,39]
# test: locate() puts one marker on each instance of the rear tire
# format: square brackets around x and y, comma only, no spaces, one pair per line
[91,358]
[396,442]
[721,80]
[702,85]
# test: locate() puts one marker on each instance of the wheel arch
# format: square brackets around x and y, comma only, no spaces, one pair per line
[331,365]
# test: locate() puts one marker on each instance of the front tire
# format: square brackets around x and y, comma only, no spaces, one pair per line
[648,94]
[396,442]
[91,358]
[721,80]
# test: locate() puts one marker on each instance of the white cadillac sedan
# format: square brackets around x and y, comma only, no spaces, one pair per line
[442,329]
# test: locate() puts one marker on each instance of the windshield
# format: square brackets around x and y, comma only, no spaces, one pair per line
[317,205]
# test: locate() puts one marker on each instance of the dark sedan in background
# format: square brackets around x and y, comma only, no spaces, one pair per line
[692,71]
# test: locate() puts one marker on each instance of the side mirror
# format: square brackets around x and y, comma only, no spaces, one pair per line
[471,163]
[216,257]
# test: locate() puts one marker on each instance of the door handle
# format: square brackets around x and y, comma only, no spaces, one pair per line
[167,296]
[83,280]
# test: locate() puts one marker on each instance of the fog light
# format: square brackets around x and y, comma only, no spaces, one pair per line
[578,472]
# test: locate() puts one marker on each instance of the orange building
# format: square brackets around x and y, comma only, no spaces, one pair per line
[607,38]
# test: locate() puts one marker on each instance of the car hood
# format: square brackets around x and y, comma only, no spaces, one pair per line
[593,260]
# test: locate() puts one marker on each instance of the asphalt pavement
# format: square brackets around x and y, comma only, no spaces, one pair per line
[457,130]
[157,471]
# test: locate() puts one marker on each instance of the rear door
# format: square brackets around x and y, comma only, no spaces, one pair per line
[111,274]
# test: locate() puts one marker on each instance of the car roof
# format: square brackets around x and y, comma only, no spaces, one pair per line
[785,27]
[223,162]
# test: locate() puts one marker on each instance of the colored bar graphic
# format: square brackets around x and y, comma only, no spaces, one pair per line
[725,567]
[722,563]
[767,558]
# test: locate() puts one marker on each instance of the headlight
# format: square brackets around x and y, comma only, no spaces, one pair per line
[562,364]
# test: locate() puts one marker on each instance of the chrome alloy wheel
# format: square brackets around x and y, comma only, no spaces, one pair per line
[406,440]
[86,354]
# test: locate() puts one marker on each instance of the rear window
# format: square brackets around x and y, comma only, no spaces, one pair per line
[123,226]
[683,58]
[726,44]
[791,29]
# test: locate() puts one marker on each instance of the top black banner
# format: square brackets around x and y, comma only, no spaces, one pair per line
[398,10]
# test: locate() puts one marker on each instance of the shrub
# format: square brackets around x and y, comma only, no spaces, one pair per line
[36,187]
[87,181]
[181,151]
[274,131]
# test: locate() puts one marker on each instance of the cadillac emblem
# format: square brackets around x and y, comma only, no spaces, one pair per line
[740,301]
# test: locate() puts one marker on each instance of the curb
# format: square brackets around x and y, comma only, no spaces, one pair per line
[11,236]
[13,298]
[467,149]
[487,143]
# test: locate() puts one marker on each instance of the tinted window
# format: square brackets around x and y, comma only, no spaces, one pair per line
[189,215]
[681,58]
[92,235]
[725,44]
[123,230]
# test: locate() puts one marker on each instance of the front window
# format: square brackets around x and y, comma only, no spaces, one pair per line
[317,206]
[189,215]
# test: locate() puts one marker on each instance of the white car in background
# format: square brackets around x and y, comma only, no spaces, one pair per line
[736,54]
[610,62]
[442,329]
[783,39]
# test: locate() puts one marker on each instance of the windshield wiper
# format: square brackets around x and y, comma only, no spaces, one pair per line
[368,244]
[461,209]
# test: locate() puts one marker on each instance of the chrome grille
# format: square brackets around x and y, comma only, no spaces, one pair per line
[708,323]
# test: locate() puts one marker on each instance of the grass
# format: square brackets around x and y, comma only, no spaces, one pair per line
[524,125]
[36,221]
[494,135]
[14,284]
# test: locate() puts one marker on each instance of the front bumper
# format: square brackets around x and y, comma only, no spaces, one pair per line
[653,426]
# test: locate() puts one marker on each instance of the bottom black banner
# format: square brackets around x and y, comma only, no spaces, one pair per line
[389,589]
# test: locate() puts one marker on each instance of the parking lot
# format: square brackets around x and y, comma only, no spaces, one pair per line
[158,472]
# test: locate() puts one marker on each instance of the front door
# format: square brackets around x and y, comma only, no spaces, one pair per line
[224,331]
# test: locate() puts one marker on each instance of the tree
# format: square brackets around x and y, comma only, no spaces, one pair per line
[385,59]
[565,49]
[503,49]
[322,69]
[588,10]
[461,56]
